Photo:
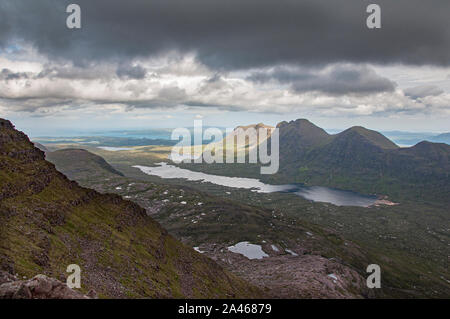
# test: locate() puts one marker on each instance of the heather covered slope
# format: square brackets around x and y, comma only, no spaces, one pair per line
[48,222]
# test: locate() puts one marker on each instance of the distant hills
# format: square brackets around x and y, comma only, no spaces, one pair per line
[362,160]
[441,138]
[48,222]
[357,159]
[403,138]
[110,141]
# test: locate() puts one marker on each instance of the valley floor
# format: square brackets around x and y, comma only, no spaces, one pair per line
[410,241]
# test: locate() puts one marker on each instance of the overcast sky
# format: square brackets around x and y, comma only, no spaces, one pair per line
[164,63]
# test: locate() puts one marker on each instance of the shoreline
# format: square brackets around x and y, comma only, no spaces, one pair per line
[382,200]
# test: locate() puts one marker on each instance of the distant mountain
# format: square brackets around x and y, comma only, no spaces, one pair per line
[414,138]
[362,160]
[368,137]
[434,152]
[250,133]
[80,164]
[48,222]
[303,132]
[441,138]
[248,137]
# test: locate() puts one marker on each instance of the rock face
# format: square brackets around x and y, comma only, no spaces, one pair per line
[304,277]
[39,287]
[48,222]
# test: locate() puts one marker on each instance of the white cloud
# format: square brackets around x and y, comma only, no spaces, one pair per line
[173,81]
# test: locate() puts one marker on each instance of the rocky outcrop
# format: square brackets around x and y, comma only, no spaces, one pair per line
[38,287]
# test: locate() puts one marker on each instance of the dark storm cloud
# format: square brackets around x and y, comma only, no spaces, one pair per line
[235,34]
[423,91]
[337,80]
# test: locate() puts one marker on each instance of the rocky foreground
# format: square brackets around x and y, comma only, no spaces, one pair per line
[38,287]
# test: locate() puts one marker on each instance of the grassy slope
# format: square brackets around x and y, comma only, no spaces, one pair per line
[48,222]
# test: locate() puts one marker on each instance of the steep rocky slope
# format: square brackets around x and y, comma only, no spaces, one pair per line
[48,222]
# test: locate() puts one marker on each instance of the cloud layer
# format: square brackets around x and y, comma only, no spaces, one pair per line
[284,56]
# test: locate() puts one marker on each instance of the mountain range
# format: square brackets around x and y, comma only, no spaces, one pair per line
[361,160]
[357,159]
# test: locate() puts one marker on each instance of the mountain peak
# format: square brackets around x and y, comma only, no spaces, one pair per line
[301,133]
[371,136]
[426,148]
[255,126]
[297,122]
[359,129]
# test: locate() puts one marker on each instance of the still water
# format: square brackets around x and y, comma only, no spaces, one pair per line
[313,193]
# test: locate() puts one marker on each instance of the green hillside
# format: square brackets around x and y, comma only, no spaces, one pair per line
[48,222]
[363,160]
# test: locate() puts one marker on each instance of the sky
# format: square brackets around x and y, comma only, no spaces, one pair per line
[164,63]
